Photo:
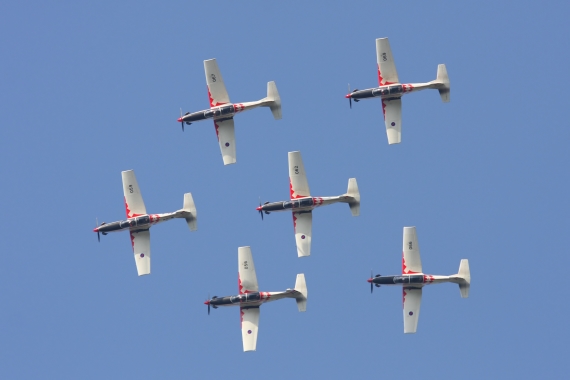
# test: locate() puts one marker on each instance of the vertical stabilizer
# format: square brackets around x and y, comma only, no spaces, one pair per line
[465,275]
[442,77]
[301,287]
[190,207]
[273,96]
[355,194]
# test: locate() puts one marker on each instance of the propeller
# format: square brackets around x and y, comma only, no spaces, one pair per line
[96,227]
[349,98]
[259,208]
[208,303]
[181,122]
[371,283]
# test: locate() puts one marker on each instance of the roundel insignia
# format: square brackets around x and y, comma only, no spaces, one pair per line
[227,144]
[302,236]
[392,124]
[411,313]
[142,254]
[249,331]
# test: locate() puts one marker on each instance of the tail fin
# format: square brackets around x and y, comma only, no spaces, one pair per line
[464,275]
[301,287]
[444,79]
[355,194]
[190,207]
[273,96]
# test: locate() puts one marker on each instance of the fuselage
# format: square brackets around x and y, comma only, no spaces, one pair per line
[140,222]
[412,280]
[251,299]
[222,111]
[302,204]
[391,91]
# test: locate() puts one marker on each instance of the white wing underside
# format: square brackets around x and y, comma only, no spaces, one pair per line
[249,327]
[217,92]
[246,271]
[299,187]
[133,198]
[303,222]
[141,250]
[412,301]
[227,140]
[387,73]
[392,110]
[411,261]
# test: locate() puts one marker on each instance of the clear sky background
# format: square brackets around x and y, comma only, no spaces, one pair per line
[88,89]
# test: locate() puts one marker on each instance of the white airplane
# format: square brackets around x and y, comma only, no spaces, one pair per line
[302,204]
[222,111]
[391,91]
[250,298]
[138,222]
[413,279]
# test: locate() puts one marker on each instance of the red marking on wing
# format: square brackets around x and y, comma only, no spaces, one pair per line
[384,108]
[381,80]
[129,214]
[132,241]
[213,102]
[403,297]
[405,270]
[292,192]
[241,313]
[217,134]
[295,222]
[240,286]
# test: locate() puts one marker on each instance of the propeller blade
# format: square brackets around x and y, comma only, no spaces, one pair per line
[260,211]
[97,225]
[371,284]
[350,102]
[208,309]
[98,237]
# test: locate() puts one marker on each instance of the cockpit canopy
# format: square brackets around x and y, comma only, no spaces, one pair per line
[298,203]
[395,89]
[219,111]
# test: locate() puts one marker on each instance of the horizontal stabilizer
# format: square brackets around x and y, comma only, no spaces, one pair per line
[442,77]
[273,95]
[355,194]
[301,287]
[465,275]
[190,207]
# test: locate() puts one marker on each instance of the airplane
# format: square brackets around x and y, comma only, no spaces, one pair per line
[222,111]
[138,222]
[391,91]
[302,204]
[250,298]
[413,279]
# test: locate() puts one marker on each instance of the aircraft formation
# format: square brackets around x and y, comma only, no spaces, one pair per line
[300,203]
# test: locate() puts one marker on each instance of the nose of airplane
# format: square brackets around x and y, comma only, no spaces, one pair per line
[258,208]
[96,229]
[348,96]
[179,119]
[369,280]
[207,302]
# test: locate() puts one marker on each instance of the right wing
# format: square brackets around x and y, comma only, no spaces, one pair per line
[392,110]
[227,140]
[412,301]
[247,279]
[141,248]
[298,185]
[133,198]
[249,327]
[303,223]
[387,73]
[411,261]
[217,93]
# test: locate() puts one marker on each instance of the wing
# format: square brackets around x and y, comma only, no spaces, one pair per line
[412,301]
[303,223]
[298,185]
[227,139]
[411,261]
[387,73]
[141,248]
[247,279]
[392,110]
[249,327]
[217,93]
[133,198]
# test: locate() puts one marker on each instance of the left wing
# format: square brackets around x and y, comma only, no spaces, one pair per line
[141,248]
[392,110]
[133,198]
[387,73]
[249,327]
[411,261]
[227,140]
[303,223]
[247,279]
[412,300]
[298,185]
[217,93]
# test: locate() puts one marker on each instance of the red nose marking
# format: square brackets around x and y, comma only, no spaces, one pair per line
[180,119]
[369,280]
[96,229]
[207,303]
[258,208]
[348,96]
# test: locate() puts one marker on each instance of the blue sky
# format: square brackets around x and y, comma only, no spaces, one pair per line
[90,89]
